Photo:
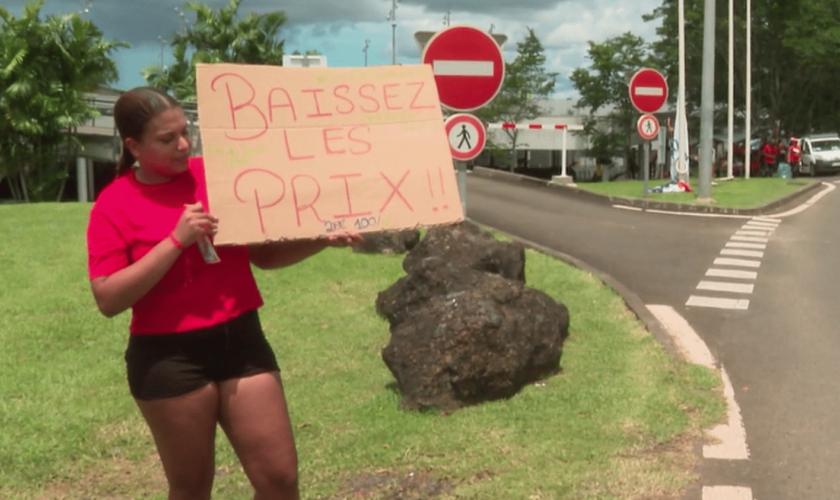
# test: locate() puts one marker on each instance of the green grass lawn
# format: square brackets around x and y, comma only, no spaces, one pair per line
[735,193]
[619,422]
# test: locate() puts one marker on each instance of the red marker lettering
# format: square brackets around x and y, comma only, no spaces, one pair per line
[419,86]
[311,205]
[350,212]
[288,104]
[289,153]
[366,146]
[369,97]
[395,191]
[235,108]
[388,96]
[328,139]
[315,93]
[252,173]
[343,97]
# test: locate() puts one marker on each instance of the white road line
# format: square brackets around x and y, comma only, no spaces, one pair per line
[732,435]
[625,207]
[732,273]
[749,238]
[742,253]
[769,225]
[767,219]
[753,233]
[805,206]
[462,68]
[756,246]
[721,261]
[686,339]
[698,214]
[718,303]
[720,286]
[727,493]
[750,227]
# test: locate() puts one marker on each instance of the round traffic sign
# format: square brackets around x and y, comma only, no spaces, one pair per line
[648,127]
[468,67]
[467,136]
[648,90]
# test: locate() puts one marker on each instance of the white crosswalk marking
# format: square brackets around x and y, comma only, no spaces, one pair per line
[742,253]
[718,303]
[755,246]
[749,238]
[720,286]
[731,273]
[737,262]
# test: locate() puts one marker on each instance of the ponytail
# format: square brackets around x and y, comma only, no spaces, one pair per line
[127,161]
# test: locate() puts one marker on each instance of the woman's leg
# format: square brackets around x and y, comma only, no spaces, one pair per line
[184,429]
[255,418]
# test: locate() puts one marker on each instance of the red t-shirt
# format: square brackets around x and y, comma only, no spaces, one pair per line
[794,154]
[130,218]
[769,151]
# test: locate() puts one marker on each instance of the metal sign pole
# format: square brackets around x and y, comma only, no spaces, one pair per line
[461,171]
[646,166]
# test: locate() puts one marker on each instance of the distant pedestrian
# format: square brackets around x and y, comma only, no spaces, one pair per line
[768,156]
[794,155]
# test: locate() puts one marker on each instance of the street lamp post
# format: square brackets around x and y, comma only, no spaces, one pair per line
[392,16]
[365,50]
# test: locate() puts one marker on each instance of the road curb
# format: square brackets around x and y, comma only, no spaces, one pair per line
[643,203]
[633,301]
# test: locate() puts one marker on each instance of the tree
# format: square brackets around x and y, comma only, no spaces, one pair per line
[217,37]
[46,67]
[794,68]
[604,85]
[526,81]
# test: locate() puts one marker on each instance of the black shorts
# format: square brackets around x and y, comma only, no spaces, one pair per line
[169,365]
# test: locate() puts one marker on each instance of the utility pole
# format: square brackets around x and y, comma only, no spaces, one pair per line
[392,16]
[365,50]
[707,103]
[730,119]
[748,126]
[162,45]
[446,18]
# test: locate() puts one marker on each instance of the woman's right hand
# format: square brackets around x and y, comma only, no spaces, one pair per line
[193,224]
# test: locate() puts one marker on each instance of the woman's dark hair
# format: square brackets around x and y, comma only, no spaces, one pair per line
[132,114]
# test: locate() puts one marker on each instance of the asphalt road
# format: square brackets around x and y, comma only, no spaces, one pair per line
[780,353]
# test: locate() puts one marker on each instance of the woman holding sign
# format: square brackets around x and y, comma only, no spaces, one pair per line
[197,355]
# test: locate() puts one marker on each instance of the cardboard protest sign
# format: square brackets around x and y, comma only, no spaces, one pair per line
[293,153]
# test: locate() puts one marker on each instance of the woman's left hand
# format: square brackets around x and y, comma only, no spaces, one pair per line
[344,239]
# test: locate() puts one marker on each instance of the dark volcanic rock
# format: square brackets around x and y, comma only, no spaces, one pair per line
[465,244]
[461,336]
[389,242]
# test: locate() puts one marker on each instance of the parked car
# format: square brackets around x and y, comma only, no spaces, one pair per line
[820,153]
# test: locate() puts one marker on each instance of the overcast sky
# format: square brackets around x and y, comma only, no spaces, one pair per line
[339,28]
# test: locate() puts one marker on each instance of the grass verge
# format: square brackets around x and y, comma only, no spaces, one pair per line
[619,422]
[735,193]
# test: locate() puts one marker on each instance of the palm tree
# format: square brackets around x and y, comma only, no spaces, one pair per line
[46,67]
[218,37]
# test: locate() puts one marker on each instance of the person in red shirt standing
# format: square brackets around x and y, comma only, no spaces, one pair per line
[197,356]
[794,155]
[768,153]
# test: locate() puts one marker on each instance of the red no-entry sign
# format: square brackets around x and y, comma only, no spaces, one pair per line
[468,67]
[648,90]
